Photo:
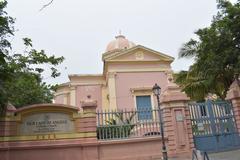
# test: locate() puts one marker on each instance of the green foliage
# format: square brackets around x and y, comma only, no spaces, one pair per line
[6,30]
[118,127]
[216,53]
[27,89]
[21,74]
[25,85]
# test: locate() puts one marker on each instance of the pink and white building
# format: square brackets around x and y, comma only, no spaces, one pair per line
[129,73]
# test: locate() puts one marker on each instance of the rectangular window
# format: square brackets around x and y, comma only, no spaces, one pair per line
[144,107]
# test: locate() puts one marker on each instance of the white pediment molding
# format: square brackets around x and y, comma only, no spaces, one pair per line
[139,54]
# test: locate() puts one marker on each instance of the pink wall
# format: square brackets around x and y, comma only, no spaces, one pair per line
[8,128]
[126,81]
[178,139]
[137,65]
[131,149]
[44,150]
[94,90]
[146,56]
[59,99]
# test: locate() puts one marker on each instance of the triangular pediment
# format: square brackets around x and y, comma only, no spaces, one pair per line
[137,53]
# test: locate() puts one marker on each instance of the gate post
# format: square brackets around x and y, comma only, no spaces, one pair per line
[233,95]
[177,123]
[88,123]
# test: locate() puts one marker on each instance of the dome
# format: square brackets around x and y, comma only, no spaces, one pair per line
[119,43]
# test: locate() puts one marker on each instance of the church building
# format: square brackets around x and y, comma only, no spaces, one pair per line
[129,73]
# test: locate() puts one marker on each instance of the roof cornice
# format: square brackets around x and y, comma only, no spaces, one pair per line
[108,56]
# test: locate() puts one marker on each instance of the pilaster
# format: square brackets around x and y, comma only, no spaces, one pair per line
[112,91]
[73,95]
[234,96]
[177,123]
[65,98]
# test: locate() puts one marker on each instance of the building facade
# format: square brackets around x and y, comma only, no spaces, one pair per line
[73,129]
[129,73]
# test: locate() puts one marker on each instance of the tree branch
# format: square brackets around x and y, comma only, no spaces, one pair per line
[46,5]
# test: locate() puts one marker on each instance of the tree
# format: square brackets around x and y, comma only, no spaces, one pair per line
[6,30]
[26,86]
[21,74]
[216,53]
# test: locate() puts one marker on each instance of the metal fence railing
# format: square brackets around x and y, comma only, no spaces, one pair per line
[197,155]
[127,124]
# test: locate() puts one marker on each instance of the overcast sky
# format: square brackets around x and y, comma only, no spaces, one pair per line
[80,30]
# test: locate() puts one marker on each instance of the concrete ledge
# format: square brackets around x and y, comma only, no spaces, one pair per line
[48,137]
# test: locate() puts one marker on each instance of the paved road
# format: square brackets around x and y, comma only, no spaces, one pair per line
[230,155]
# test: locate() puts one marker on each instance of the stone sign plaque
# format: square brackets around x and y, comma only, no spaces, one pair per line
[179,117]
[44,123]
[200,127]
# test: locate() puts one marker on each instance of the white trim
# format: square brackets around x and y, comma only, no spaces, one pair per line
[73,96]
[151,99]
[61,93]
[141,70]
[165,57]
[85,75]
[88,84]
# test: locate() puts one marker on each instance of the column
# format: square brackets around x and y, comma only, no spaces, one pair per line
[112,90]
[8,125]
[234,96]
[88,121]
[177,123]
[88,124]
[73,95]
[65,98]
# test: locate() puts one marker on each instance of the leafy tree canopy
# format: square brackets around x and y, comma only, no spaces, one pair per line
[216,52]
[21,80]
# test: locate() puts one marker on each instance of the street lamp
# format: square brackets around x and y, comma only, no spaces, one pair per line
[157,91]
